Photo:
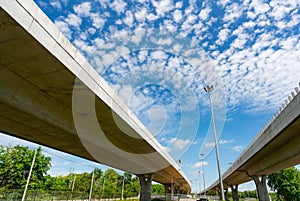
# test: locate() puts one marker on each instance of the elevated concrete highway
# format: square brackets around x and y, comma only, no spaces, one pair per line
[50,94]
[275,148]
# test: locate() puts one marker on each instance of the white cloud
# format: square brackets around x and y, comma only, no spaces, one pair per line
[74,20]
[200,164]
[222,36]
[64,28]
[56,4]
[232,12]
[209,144]
[83,9]
[166,149]
[129,18]
[224,3]
[118,5]
[177,15]
[152,17]
[97,21]
[84,46]
[180,143]
[238,148]
[141,15]
[204,13]
[163,6]
[225,141]
[178,4]
[281,9]
[92,30]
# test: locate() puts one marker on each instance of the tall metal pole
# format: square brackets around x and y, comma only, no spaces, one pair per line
[73,184]
[103,188]
[28,179]
[91,190]
[199,172]
[209,89]
[122,196]
[203,176]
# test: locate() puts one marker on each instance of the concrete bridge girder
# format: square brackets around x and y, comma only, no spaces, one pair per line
[39,69]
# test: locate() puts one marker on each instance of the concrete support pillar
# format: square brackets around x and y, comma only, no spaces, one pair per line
[226,194]
[261,187]
[217,191]
[235,192]
[145,186]
[169,191]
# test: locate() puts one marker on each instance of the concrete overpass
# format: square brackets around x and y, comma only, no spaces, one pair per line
[275,148]
[50,94]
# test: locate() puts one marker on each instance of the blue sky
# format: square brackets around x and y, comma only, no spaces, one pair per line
[158,56]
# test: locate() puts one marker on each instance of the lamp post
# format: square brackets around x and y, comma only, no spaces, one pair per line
[122,194]
[196,186]
[209,90]
[199,172]
[202,155]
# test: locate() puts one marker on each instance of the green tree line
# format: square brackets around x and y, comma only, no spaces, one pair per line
[15,163]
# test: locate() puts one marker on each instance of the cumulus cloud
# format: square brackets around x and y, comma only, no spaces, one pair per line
[222,36]
[64,28]
[97,20]
[200,164]
[225,141]
[204,13]
[180,143]
[238,148]
[74,20]
[177,15]
[209,144]
[56,4]
[83,9]
[118,5]
[129,19]
[163,6]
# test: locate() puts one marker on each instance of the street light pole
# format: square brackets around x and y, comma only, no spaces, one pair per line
[92,182]
[209,89]
[202,155]
[199,172]
[122,194]
[28,178]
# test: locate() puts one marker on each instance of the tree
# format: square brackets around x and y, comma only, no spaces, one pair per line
[286,183]
[15,163]
[158,189]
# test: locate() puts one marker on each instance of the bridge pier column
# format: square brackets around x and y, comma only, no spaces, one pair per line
[226,194]
[169,191]
[235,192]
[145,186]
[261,187]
